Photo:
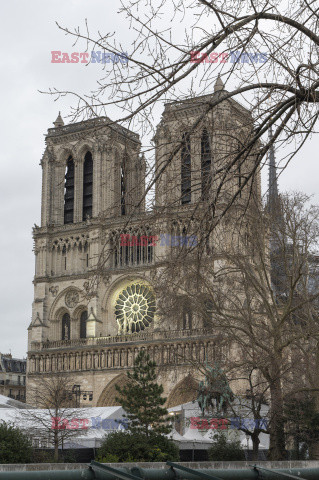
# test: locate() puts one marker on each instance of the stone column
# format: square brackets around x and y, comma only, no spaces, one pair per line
[45,186]
[58,194]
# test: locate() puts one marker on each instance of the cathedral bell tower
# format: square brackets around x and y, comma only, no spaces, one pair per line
[91,171]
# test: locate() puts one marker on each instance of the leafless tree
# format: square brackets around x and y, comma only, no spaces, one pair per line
[271,50]
[54,418]
[265,315]
[252,407]
[261,300]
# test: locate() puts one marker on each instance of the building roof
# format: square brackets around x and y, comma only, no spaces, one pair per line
[10,403]
[14,365]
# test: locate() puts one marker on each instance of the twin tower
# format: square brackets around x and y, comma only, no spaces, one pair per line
[95,297]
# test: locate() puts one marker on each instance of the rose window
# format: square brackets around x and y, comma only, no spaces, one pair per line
[135,308]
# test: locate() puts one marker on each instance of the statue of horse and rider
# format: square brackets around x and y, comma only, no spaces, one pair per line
[214,392]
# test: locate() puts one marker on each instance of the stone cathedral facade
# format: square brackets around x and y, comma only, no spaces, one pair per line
[95,298]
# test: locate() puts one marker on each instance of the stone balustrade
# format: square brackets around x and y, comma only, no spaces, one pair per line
[116,339]
[118,352]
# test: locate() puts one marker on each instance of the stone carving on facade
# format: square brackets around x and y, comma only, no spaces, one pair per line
[72,298]
[103,144]
[153,274]
[66,331]
[89,289]
[106,279]
[54,289]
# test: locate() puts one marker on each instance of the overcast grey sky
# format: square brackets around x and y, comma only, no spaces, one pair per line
[29,34]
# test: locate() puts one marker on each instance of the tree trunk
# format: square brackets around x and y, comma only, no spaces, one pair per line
[255,441]
[277,432]
[56,447]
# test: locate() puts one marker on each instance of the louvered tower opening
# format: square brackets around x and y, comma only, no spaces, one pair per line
[87,186]
[123,190]
[206,160]
[69,192]
[186,170]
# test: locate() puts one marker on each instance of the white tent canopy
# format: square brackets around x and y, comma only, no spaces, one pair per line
[96,422]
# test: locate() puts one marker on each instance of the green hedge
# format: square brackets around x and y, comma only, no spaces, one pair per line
[128,447]
[15,446]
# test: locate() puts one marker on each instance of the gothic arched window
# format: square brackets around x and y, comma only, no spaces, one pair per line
[69,192]
[123,190]
[134,248]
[186,191]
[87,186]
[206,160]
[66,324]
[83,319]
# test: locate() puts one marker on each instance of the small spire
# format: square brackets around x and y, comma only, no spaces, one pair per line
[59,121]
[91,316]
[219,84]
[142,160]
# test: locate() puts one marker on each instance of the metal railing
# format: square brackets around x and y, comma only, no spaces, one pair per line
[173,471]
[15,383]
